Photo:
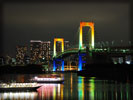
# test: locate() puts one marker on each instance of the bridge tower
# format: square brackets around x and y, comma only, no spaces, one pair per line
[54,53]
[62,45]
[91,46]
[91,25]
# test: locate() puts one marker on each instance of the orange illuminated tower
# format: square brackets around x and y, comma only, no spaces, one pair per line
[91,25]
[62,45]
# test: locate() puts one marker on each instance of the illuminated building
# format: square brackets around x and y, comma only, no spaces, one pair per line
[58,46]
[40,51]
[46,50]
[27,59]
[8,60]
[35,51]
[21,52]
[66,45]
[13,61]
[1,60]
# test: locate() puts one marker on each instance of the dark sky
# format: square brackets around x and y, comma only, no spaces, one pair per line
[44,21]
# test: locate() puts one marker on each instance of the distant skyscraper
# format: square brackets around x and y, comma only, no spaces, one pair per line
[1,60]
[58,46]
[66,45]
[40,51]
[46,50]
[35,51]
[21,52]
[8,60]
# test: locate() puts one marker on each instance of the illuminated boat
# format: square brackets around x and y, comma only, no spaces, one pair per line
[18,86]
[47,80]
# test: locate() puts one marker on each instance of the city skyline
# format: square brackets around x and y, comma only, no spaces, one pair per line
[57,50]
[38,52]
[41,21]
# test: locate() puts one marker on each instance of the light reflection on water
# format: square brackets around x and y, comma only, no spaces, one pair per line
[75,88]
[18,96]
[50,91]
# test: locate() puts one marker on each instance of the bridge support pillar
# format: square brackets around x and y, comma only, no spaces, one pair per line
[62,65]
[80,63]
[55,65]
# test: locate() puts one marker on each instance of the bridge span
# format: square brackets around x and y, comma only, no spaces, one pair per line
[91,54]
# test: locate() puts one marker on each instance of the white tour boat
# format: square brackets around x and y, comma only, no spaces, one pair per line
[18,86]
[47,79]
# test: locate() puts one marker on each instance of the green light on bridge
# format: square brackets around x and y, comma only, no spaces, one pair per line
[123,51]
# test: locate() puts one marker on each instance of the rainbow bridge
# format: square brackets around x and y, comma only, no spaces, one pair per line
[90,52]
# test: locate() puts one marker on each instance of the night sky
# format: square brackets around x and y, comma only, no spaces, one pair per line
[44,21]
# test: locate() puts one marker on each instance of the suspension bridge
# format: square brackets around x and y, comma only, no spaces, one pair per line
[91,52]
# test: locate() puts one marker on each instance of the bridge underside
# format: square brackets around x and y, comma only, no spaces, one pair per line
[91,57]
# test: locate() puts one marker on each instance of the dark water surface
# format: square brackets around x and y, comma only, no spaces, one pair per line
[74,88]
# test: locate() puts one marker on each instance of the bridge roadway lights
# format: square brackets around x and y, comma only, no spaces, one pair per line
[80,61]
[55,65]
